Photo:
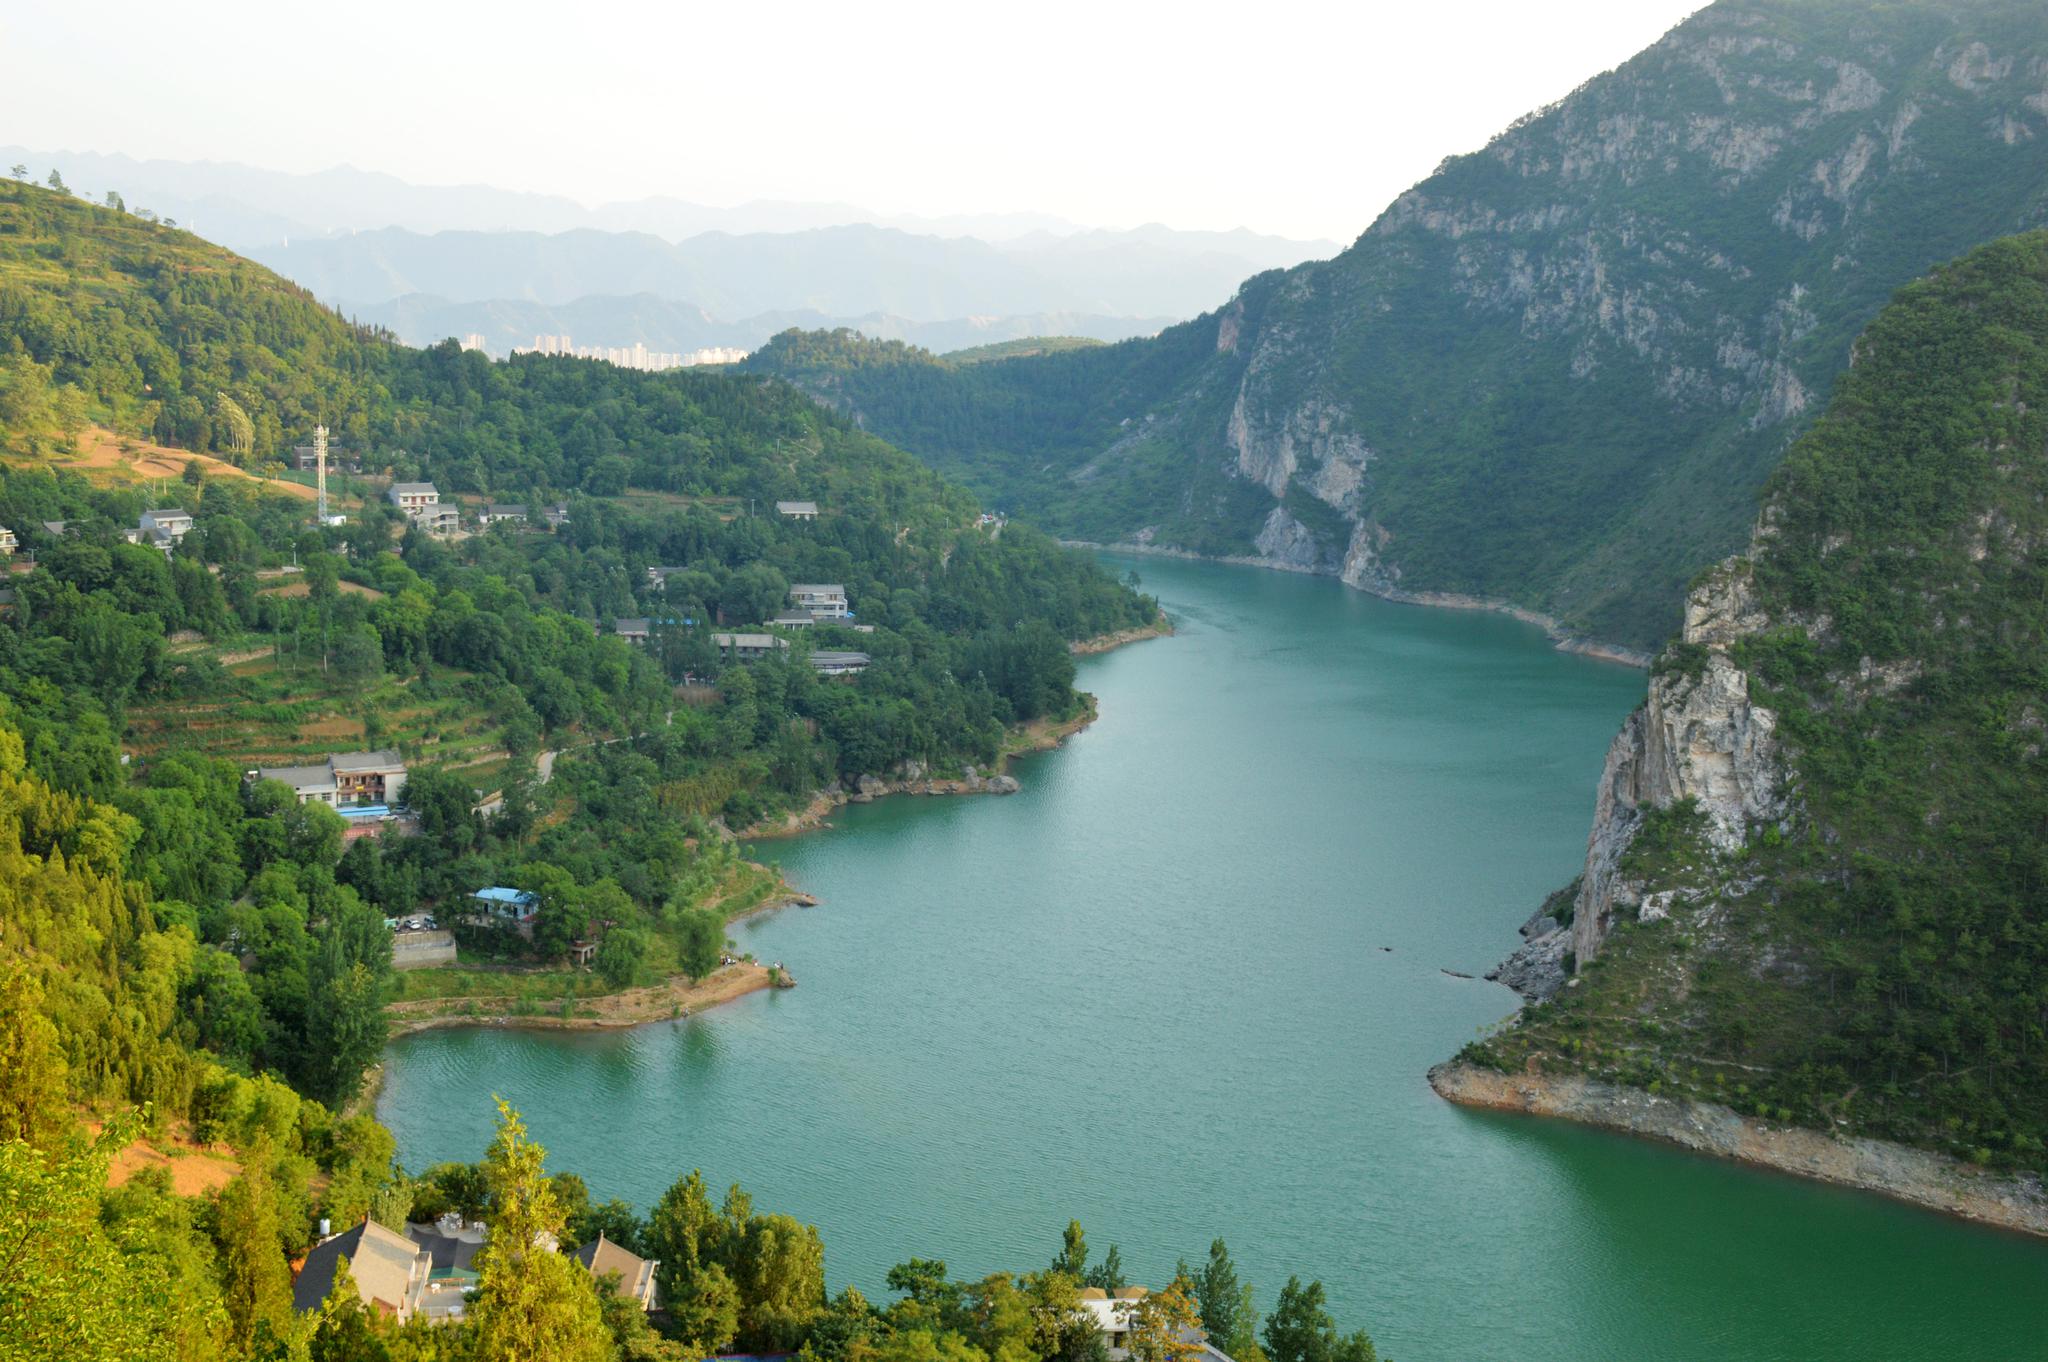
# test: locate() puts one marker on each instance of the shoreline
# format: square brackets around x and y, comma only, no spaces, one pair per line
[1560,638]
[674,998]
[671,1000]
[1040,735]
[1918,1177]
[1161,627]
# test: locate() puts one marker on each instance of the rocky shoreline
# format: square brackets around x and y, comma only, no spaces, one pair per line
[1561,638]
[1919,1176]
[913,779]
[1102,643]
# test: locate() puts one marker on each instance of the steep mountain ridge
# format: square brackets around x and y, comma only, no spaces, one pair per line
[1812,890]
[1554,373]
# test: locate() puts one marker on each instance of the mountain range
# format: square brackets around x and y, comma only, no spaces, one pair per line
[1554,374]
[432,261]
[835,271]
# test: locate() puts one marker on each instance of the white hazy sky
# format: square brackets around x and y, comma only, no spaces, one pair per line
[1297,118]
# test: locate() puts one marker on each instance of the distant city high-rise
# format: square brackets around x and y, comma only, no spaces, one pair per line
[473,341]
[634,356]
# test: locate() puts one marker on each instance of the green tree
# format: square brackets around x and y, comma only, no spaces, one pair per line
[256,1281]
[531,1302]
[1300,1329]
[1109,1273]
[67,1291]
[358,654]
[33,1086]
[620,954]
[1073,1254]
[700,941]
[1221,1299]
[691,1242]
[780,1273]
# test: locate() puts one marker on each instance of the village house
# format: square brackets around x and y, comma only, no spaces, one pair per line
[797,510]
[1114,1312]
[555,516]
[8,543]
[162,529]
[501,511]
[170,523]
[373,779]
[410,497]
[511,907]
[747,647]
[56,529]
[792,619]
[391,1272]
[822,600]
[833,662]
[441,518]
[633,630]
[636,1274]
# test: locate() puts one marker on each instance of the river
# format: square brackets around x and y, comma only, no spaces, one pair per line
[1187,985]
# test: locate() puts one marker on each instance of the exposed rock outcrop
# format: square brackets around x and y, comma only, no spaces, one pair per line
[1537,968]
[1698,736]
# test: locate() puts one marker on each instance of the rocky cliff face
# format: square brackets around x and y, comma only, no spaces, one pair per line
[1697,737]
[1653,279]
[1812,892]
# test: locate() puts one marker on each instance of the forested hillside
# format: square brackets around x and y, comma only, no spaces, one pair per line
[193,957]
[150,682]
[1815,890]
[1556,372]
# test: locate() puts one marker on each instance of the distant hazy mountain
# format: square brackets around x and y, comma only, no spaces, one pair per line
[663,324]
[243,207]
[834,271]
[436,260]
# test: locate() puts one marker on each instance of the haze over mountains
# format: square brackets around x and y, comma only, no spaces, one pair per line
[434,261]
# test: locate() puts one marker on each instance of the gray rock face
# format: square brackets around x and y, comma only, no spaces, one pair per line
[1696,737]
[1536,969]
[1003,785]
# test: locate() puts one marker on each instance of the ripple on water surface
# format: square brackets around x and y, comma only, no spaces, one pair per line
[1150,992]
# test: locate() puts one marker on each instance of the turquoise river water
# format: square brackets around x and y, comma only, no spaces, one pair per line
[1187,984]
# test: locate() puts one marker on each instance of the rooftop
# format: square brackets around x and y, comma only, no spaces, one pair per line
[382,1261]
[297,777]
[383,759]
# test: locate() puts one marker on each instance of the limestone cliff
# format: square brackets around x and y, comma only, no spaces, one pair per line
[1698,737]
